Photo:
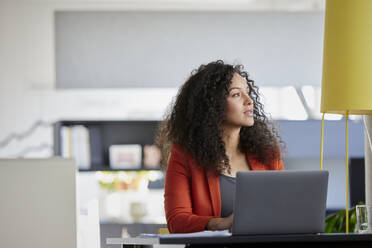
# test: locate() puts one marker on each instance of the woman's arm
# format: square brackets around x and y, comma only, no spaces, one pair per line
[177,196]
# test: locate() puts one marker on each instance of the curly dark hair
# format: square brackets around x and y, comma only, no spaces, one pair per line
[194,120]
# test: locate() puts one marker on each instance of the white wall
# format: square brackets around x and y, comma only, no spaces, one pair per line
[27,69]
[27,78]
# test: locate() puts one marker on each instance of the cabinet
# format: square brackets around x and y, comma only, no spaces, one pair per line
[103,134]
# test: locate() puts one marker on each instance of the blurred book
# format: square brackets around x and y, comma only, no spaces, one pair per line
[96,145]
[76,144]
[66,142]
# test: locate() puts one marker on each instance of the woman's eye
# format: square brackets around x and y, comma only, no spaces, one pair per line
[236,94]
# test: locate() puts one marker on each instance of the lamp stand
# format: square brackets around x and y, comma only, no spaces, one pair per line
[367,120]
[346,160]
[347,168]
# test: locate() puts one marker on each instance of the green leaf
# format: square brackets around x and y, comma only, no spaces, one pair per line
[330,222]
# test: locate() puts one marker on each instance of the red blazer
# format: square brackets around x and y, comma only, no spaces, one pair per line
[192,197]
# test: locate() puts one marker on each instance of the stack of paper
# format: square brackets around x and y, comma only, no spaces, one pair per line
[222,233]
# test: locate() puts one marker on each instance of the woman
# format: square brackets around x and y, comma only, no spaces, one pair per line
[215,128]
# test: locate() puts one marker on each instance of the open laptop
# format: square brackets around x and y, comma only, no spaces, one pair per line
[38,203]
[280,202]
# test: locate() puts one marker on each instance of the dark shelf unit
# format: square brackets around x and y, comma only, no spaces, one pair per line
[105,133]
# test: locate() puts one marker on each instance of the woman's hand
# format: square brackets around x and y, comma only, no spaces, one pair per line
[220,223]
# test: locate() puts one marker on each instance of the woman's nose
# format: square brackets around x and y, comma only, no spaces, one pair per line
[248,100]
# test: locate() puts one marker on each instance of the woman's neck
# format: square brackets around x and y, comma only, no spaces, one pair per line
[231,137]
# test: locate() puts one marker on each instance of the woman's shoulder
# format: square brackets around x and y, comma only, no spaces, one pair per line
[177,147]
[183,157]
[178,154]
[178,150]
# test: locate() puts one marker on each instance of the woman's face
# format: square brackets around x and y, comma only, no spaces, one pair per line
[239,105]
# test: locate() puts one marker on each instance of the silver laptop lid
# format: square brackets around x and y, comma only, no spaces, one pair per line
[280,202]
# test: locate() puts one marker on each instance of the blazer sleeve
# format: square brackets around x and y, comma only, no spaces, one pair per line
[177,196]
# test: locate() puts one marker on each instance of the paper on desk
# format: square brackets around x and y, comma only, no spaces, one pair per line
[223,233]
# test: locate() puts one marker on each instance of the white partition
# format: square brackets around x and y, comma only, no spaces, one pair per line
[38,203]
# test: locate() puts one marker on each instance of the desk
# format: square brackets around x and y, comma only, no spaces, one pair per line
[299,240]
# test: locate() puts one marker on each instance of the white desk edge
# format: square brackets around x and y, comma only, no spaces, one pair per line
[142,241]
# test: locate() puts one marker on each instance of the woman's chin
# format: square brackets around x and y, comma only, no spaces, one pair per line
[249,123]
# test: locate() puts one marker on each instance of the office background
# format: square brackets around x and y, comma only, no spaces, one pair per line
[279,42]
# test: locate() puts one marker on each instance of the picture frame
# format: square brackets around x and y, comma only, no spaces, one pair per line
[125,156]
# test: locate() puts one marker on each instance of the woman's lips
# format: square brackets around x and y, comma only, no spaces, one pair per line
[249,113]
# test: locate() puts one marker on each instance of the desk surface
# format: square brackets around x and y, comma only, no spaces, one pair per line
[304,238]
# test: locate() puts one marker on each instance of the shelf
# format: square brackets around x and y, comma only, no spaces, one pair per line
[103,134]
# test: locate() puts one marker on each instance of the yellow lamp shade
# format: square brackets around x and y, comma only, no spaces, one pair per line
[347,58]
